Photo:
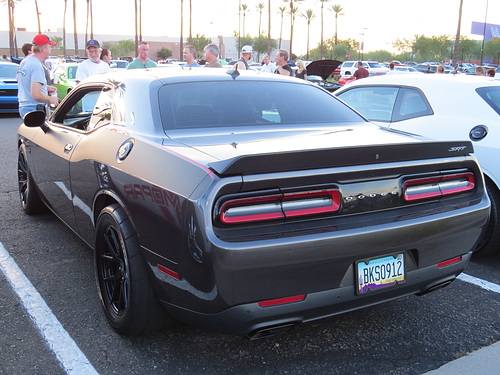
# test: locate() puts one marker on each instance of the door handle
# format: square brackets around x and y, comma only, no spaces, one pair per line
[68,147]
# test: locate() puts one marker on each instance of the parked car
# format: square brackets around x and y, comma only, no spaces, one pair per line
[349,67]
[440,107]
[118,64]
[320,70]
[406,69]
[9,102]
[64,78]
[248,215]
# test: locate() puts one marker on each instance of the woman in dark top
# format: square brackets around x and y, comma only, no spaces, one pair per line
[301,72]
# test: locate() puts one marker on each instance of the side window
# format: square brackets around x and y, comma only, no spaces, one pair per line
[86,109]
[411,104]
[375,103]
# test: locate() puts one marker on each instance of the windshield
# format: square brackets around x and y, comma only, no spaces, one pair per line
[375,65]
[8,71]
[244,103]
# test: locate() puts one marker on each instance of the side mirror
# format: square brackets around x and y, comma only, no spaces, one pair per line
[34,119]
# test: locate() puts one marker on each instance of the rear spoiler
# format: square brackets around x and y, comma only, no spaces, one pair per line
[339,157]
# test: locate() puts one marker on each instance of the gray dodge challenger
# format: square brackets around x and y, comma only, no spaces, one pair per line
[246,202]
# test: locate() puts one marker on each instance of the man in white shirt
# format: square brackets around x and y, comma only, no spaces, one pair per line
[94,64]
[268,66]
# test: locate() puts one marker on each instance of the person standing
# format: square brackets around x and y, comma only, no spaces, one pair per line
[211,54]
[246,55]
[93,65]
[282,62]
[188,56]
[34,90]
[361,72]
[106,55]
[142,61]
[301,71]
[268,66]
[391,68]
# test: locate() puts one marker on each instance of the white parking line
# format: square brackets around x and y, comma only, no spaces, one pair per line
[71,358]
[492,287]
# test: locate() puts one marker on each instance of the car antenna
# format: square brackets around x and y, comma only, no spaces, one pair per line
[233,72]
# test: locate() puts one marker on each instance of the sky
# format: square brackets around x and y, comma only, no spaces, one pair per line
[375,22]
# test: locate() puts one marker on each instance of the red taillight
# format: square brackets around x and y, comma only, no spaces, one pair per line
[281,301]
[449,262]
[430,187]
[280,206]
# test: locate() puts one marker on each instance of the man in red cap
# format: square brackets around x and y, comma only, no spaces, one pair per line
[33,88]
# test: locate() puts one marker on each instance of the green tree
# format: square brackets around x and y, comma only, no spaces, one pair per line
[58,40]
[260,45]
[123,48]
[199,42]
[380,55]
[293,12]
[308,15]
[164,53]
[492,49]
[244,40]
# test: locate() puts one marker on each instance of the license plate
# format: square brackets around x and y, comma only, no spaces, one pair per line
[380,273]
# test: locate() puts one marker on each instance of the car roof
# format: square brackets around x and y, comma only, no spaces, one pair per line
[426,80]
[175,73]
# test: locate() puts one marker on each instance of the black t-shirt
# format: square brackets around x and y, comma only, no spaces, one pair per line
[287,68]
[301,74]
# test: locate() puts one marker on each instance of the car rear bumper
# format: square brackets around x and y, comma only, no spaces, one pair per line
[254,321]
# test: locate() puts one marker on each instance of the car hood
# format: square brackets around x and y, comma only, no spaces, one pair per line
[285,150]
[322,68]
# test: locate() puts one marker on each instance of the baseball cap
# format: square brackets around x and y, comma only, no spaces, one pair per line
[247,49]
[92,43]
[40,40]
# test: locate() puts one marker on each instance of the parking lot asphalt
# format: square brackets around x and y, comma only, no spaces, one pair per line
[485,361]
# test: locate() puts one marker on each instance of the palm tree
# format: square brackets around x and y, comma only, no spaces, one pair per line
[190,23]
[282,11]
[308,15]
[74,25]
[12,29]
[293,12]
[336,9]
[182,27]
[136,29]
[64,26]
[244,8]
[457,39]
[87,23]
[260,8]
[91,21]
[140,19]
[269,30]
[322,3]
[38,17]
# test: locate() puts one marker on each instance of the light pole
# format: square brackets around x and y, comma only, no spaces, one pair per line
[484,33]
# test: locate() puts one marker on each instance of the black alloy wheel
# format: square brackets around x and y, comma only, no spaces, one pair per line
[127,297]
[28,193]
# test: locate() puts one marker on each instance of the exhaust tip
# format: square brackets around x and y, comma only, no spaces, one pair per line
[271,331]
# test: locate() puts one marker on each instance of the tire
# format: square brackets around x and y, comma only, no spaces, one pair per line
[127,297]
[28,194]
[490,241]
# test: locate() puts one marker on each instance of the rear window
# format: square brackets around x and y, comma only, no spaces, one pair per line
[247,103]
[491,95]
[374,65]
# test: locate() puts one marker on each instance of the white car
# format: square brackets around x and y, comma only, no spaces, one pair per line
[439,106]
[406,69]
[349,67]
